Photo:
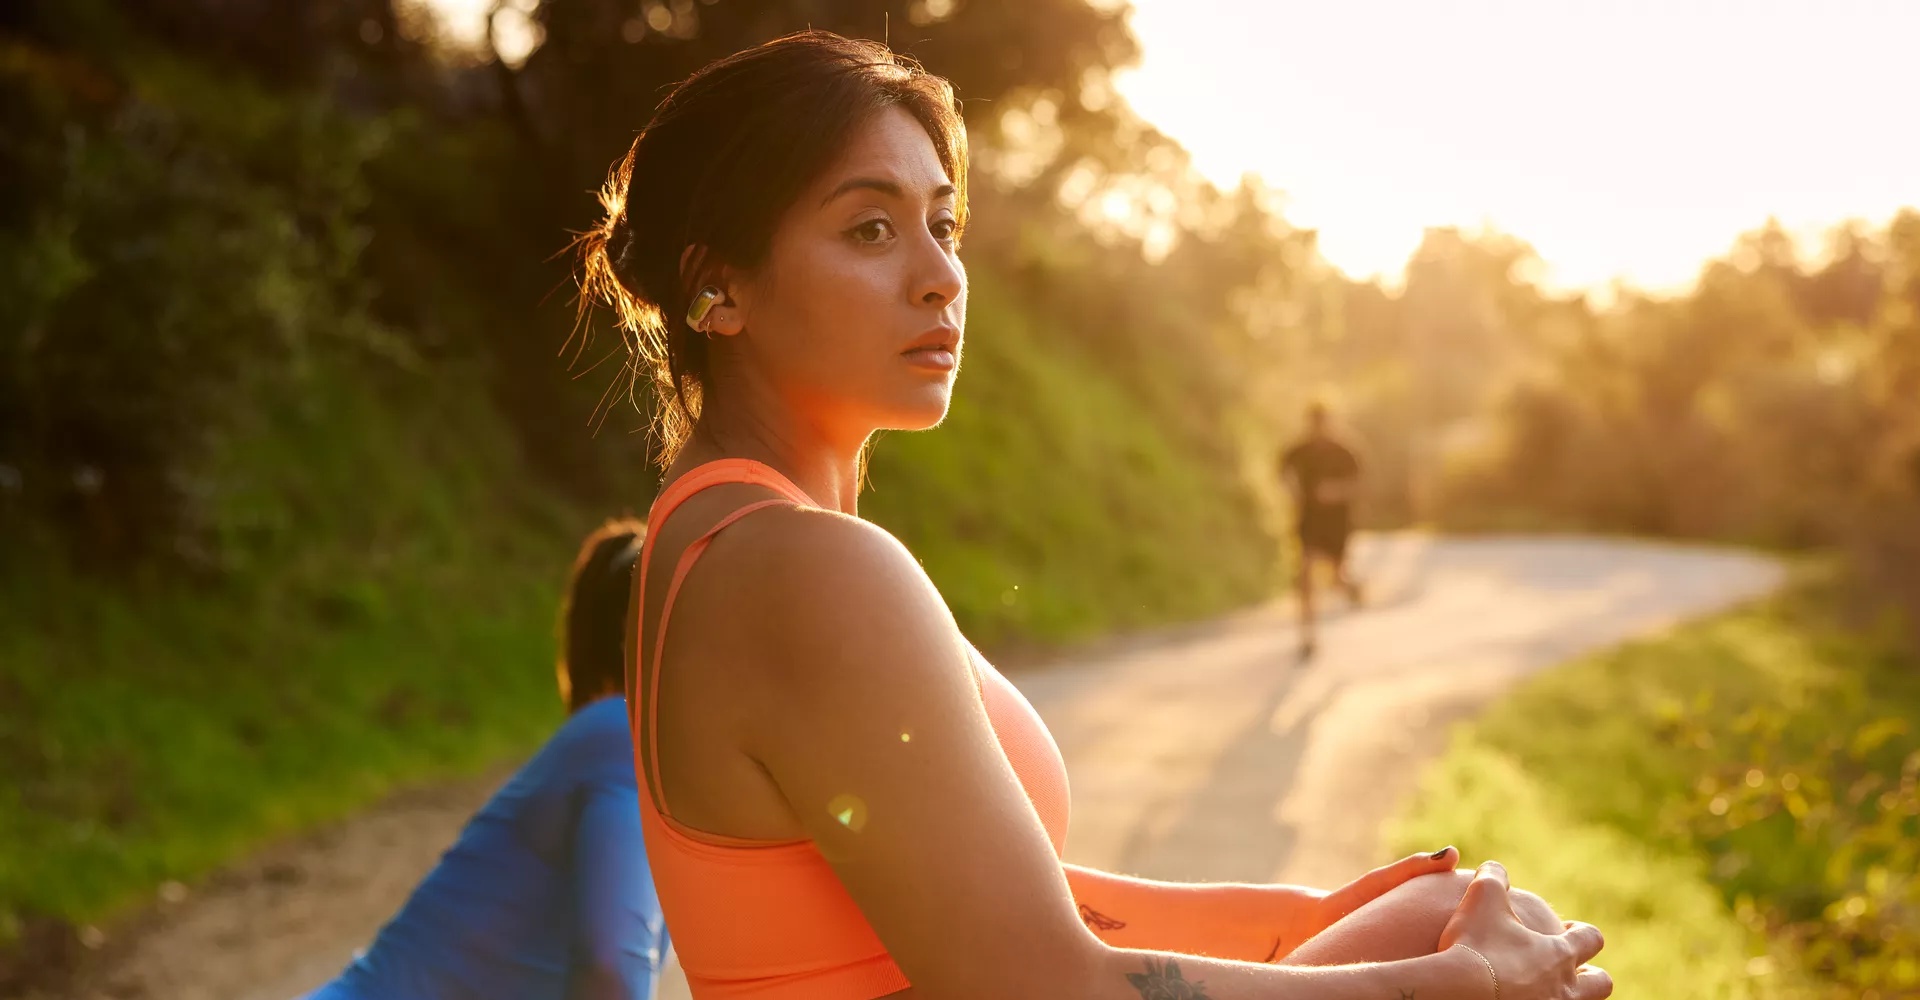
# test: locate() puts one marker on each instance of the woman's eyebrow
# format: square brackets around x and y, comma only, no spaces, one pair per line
[883,186]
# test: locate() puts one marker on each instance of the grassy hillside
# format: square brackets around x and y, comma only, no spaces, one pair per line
[1053,505]
[389,624]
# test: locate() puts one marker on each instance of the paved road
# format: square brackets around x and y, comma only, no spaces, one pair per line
[1203,755]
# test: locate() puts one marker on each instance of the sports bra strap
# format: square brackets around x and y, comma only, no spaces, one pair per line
[699,479]
[687,559]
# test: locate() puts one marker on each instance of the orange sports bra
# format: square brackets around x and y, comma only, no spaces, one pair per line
[770,920]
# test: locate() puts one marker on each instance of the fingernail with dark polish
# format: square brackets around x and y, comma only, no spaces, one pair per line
[1441,853]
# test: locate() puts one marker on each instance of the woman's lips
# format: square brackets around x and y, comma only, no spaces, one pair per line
[935,358]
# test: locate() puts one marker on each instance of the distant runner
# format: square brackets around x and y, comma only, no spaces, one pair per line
[1324,475]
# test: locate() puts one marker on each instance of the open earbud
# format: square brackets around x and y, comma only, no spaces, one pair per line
[702,307]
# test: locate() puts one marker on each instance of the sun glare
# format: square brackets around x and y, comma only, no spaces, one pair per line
[464,24]
[1631,139]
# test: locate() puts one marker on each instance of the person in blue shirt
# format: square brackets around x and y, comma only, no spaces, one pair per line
[546,894]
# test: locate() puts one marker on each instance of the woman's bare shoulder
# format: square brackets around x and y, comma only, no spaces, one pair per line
[824,591]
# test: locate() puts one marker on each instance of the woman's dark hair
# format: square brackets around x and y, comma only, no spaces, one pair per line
[727,152]
[593,613]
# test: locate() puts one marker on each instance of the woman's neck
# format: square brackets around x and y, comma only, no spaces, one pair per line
[827,469]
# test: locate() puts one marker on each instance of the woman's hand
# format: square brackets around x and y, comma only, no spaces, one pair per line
[1529,965]
[1323,909]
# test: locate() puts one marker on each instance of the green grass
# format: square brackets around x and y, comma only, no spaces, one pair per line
[386,618]
[1596,785]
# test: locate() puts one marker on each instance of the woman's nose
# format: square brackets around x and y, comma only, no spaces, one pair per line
[941,278]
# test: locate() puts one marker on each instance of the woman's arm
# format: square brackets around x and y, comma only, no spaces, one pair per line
[932,835]
[1229,920]
[1224,920]
[1252,923]
[620,936]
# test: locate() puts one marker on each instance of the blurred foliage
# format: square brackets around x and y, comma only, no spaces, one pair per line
[173,240]
[1848,804]
[1746,784]
[1777,403]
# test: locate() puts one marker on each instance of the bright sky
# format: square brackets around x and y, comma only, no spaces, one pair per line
[1630,138]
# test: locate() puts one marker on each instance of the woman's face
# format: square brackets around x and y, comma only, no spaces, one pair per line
[855,320]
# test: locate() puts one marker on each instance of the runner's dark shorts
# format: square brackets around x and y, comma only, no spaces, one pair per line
[1325,533]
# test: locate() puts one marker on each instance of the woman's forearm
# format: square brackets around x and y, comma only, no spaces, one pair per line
[1141,975]
[1223,920]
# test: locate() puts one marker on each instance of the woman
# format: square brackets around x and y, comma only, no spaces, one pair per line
[841,799]
[545,896]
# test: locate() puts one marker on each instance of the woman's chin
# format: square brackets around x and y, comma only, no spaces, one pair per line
[922,411]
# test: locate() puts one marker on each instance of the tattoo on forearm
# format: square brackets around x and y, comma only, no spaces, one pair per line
[1275,953]
[1162,981]
[1099,921]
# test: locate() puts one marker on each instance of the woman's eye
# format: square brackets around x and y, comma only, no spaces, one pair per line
[873,231]
[945,230]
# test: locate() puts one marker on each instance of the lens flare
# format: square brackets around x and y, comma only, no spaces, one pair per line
[850,810]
